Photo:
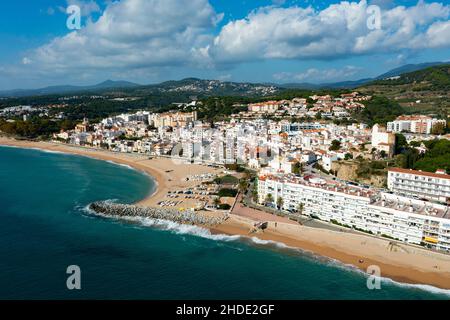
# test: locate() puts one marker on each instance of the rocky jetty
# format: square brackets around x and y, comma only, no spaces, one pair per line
[185,217]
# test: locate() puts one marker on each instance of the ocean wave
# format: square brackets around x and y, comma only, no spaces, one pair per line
[179,228]
[33,148]
[184,229]
[50,151]
[121,165]
[352,268]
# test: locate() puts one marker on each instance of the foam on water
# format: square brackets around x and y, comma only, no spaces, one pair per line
[205,233]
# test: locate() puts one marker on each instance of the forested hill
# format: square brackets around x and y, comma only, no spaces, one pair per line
[433,78]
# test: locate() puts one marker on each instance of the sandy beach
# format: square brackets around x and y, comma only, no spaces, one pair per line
[397,261]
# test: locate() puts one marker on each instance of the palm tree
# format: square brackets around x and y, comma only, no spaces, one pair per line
[243,184]
[255,195]
[269,198]
[216,202]
[279,202]
[300,208]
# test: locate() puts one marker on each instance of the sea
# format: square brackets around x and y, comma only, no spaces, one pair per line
[45,228]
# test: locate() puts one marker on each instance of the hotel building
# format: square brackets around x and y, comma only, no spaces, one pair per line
[415,124]
[405,219]
[426,185]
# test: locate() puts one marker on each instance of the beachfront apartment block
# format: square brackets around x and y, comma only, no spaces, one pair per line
[426,185]
[414,124]
[380,213]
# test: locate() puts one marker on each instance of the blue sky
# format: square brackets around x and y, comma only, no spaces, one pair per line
[149,41]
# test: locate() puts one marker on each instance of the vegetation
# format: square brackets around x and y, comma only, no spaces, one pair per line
[228,179]
[425,91]
[269,198]
[436,157]
[379,110]
[366,169]
[298,168]
[436,77]
[224,206]
[35,128]
[280,202]
[227,192]
[335,145]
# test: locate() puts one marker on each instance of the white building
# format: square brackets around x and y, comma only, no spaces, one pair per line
[383,140]
[427,185]
[409,220]
[415,124]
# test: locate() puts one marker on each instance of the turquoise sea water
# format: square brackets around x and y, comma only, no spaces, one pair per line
[44,228]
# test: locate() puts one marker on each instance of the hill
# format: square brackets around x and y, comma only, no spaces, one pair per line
[64,89]
[407,68]
[425,91]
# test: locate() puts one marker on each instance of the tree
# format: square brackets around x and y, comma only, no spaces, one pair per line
[318,116]
[216,202]
[280,202]
[400,143]
[300,208]
[335,145]
[438,128]
[348,156]
[269,198]
[255,195]
[298,168]
[243,185]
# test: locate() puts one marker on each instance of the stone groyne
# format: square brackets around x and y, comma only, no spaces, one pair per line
[185,217]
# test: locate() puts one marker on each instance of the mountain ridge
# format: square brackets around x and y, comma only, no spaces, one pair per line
[193,85]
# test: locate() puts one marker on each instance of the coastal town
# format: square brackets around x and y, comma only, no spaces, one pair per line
[214,159]
[296,164]
[277,165]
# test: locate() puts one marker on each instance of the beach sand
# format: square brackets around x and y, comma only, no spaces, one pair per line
[400,262]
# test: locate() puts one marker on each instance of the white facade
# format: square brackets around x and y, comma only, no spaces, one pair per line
[383,214]
[414,124]
[432,186]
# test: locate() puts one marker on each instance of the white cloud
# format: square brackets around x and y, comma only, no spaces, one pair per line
[132,34]
[319,75]
[158,36]
[337,31]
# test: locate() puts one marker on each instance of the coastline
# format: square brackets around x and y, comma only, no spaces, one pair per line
[404,264]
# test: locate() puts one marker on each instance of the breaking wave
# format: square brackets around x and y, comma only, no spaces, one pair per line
[185,229]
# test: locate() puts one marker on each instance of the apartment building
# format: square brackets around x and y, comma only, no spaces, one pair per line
[264,107]
[406,219]
[172,119]
[426,185]
[415,124]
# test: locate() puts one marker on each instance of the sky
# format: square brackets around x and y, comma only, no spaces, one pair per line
[276,41]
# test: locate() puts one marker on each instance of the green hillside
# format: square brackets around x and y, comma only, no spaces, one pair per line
[425,91]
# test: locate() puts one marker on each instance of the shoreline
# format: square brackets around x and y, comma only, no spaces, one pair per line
[404,264]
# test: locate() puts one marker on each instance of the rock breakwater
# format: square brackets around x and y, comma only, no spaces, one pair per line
[108,209]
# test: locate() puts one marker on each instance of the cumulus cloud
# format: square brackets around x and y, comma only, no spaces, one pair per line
[336,31]
[132,34]
[319,75]
[153,36]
